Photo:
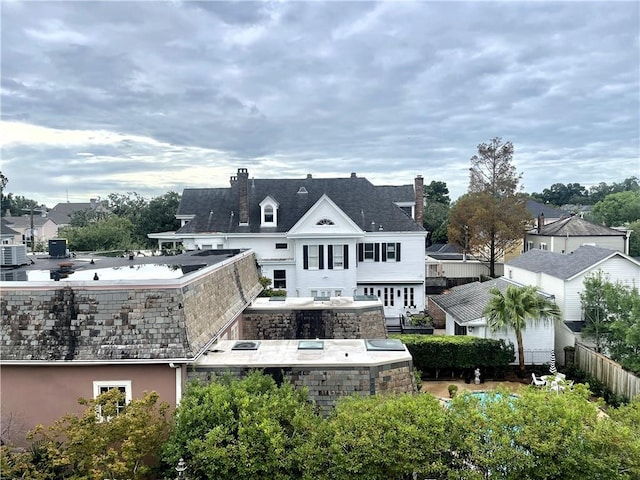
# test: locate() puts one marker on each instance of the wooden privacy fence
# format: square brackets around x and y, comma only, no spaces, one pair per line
[607,371]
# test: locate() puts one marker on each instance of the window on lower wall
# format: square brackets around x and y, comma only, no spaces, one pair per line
[124,386]
[280,279]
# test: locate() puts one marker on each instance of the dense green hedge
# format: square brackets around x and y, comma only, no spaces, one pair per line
[457,354]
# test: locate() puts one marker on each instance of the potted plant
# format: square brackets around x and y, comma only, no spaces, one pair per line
[453,389]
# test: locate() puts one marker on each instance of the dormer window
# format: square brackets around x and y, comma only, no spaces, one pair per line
[268,212]
[325,221]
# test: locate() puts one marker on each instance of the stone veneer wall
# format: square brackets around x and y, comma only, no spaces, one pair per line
[94,321]
[326,384]
[330,322]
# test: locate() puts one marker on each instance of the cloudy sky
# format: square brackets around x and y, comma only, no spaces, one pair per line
[146,96]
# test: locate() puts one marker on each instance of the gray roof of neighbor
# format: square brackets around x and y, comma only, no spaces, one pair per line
[560,265]
[6,230]
[216,209]
[537,208]
[467,302]
[576,227]
[24,221]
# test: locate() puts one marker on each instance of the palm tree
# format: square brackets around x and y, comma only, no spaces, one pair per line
[514,308]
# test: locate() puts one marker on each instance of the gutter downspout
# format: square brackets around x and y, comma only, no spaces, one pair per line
[178,369]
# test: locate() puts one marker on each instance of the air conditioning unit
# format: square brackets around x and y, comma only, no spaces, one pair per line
[13,255]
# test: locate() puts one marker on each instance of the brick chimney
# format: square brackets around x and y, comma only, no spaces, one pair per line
[243,196]
[419,192]
[540,222]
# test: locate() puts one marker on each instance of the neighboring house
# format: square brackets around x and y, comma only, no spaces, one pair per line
[449,262]
[567,234]
[563,276]
[42,228]
[464,305]
[65,339]
[8,235]
[540,213]
[316,237]
[62,213]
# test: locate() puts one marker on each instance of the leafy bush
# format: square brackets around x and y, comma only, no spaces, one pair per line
[432,354]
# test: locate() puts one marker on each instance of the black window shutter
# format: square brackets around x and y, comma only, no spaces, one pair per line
[305,257]
[330,257]
[376,253]
[360,252]
[384,252]
[346,257]
[321,257]
[397,252]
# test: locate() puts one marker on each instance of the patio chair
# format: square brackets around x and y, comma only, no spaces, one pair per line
[538,382]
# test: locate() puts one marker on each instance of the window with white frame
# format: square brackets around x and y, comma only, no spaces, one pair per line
[543,246]
[368,251]
[268,214]
[337,257]
[282,246]
[409,297]
[124,386]
[529,245]
[314,257]
[280,279]
[325,221]
[391,251]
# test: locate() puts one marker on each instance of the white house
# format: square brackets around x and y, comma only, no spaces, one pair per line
[563,275]
[565,235]
[464,306]
[316,237]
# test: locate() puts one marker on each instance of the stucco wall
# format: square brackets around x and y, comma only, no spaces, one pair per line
[313,323]
[33,395]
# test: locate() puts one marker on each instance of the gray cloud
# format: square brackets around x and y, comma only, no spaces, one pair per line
[388,90]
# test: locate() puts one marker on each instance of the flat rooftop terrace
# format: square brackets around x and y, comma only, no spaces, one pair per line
[43,268]
[304,353]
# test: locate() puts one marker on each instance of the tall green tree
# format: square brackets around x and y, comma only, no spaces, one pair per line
[378,437]
[491,218]
[247,428]
[515,309]
[617,209]
[158,216]
[612,316]
[111,233]
[634,238]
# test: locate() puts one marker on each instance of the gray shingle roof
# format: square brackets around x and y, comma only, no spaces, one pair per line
[467,302]
[576,227]
[537,208]
[216,209]
[560,265]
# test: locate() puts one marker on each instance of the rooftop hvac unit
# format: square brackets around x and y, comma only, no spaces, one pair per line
[58,248]
[14,255]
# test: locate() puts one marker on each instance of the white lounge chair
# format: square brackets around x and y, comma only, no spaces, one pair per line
[538,382]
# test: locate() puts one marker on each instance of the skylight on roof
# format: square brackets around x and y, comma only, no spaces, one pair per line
[384,344]
[311,345]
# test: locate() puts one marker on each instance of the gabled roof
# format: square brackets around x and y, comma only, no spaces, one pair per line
[61,213]
[576,227]
[537,208]
[564,266]
[7,231]
[217,209]
[466,303]
[24,221]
